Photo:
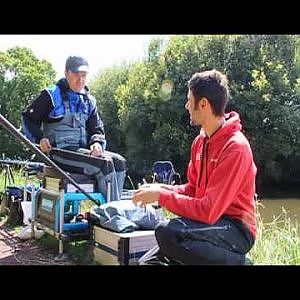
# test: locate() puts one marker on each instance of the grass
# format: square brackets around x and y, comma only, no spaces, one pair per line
[18,176]
[277,242]
[79,252]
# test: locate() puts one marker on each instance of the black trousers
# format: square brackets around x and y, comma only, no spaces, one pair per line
[194,243]
[110,167]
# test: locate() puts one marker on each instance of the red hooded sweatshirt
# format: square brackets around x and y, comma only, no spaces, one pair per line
[221,178]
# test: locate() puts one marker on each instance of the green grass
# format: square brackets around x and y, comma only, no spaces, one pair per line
[79,252]
[277,242]
[18,176]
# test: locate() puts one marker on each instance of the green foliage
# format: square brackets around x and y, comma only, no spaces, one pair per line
[143,106]
[263,91]
[22,77]
[138,107]
[104,87]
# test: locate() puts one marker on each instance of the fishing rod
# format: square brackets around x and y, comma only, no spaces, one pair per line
[23,139]
[34,165]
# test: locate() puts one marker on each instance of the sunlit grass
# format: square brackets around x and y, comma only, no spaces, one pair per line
[277,242]
[18,178]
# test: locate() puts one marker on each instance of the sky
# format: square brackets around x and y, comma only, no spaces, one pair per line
[100,50]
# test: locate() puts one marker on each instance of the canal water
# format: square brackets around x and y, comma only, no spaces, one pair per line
[279,209]
[269,208]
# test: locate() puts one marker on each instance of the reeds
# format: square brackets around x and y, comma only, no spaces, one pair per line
[277,242]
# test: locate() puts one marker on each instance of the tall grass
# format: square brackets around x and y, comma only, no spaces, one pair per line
[18,176]
[277,242]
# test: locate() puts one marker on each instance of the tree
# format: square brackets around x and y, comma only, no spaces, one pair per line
[263,91]
[104,87]
[22,77]
[263,71]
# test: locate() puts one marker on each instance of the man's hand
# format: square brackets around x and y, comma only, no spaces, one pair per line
[45,145]
[96,149]
[146,195]
[157,185]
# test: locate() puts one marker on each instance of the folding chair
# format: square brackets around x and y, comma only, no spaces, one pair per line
[164,172]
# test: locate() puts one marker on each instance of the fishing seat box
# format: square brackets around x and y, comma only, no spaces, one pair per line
[112,248]
[47,205]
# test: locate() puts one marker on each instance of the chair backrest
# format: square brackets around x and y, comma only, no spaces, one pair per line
[164,171]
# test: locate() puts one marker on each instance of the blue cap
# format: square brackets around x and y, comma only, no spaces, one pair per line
[76,64]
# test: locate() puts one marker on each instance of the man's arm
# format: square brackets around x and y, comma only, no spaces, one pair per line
[222,189]
[33,116]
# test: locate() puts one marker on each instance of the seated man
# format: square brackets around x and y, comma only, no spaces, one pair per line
[65,116]
[216,216]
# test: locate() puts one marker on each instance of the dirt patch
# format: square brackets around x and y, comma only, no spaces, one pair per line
[14,251]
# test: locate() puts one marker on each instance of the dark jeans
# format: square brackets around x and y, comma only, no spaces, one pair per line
[194,243]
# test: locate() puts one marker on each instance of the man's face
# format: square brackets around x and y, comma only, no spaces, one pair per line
[196,116]
[76,80]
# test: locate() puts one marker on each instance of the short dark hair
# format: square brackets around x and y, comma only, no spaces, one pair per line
[213,85]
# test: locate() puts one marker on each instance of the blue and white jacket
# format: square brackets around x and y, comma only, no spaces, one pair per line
[49,110]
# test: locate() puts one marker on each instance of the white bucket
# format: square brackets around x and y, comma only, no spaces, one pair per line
[26,207]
